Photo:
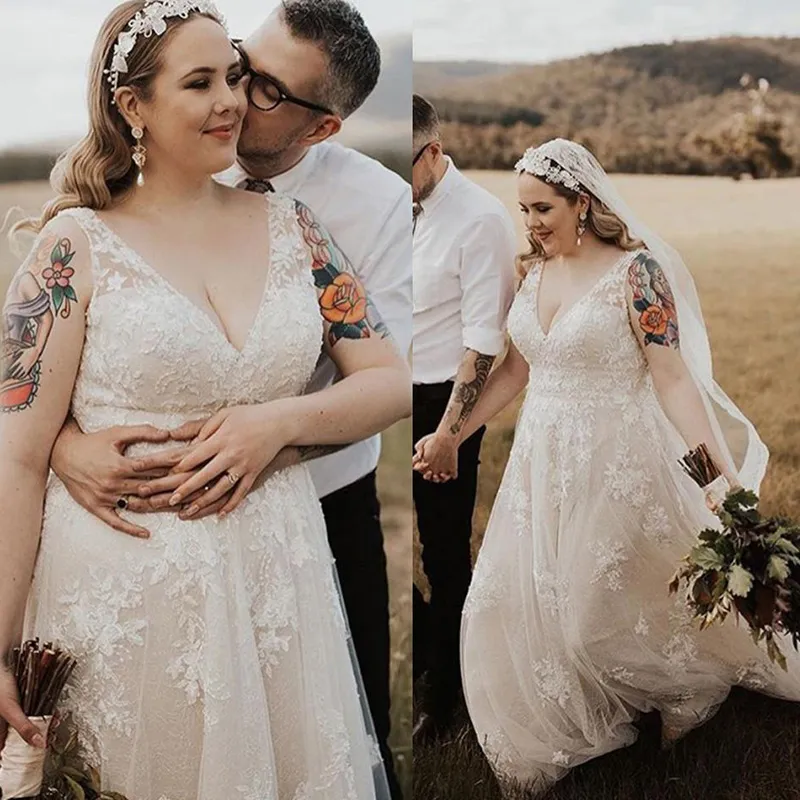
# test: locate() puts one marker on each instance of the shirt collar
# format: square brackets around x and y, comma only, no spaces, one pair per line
[287,182]
[445,186]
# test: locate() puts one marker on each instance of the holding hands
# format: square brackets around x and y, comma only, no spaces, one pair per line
[436,457]
[212,467]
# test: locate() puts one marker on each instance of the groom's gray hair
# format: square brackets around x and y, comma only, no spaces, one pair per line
[354,58]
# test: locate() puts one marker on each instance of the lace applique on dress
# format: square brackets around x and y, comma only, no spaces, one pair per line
[212,657]
[568,626]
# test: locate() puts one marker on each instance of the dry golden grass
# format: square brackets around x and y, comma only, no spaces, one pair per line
[741,242]
[394,482]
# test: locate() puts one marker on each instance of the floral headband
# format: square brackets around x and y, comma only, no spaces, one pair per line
[537,163]
[152,20]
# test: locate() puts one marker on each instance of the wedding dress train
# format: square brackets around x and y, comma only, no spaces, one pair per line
[568,629]
[212,658]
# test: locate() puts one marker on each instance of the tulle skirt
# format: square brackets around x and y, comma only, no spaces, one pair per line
[569,630]
[213,657]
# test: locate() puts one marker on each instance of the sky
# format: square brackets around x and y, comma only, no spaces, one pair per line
[45,47]
[537,31]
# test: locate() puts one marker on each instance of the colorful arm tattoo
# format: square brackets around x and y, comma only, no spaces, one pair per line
[36,297]
[467,393]
[653,299]
[343,301]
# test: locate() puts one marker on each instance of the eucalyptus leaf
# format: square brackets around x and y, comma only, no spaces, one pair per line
[706,558]
[740,581]
[73,772]
[788,547]
[75,788]
[709,535]
[777,569]
[94,774]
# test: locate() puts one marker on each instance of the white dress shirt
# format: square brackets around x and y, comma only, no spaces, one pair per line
[463,264]
[367,209]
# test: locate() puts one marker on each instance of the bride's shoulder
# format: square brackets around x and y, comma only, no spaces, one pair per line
[60,258]
[70,223]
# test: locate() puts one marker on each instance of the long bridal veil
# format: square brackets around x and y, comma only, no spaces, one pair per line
[736,435]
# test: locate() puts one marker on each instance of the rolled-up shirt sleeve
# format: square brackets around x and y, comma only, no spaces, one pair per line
[487,283]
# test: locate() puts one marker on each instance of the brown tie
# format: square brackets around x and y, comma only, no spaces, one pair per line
[416,210]
[260,185]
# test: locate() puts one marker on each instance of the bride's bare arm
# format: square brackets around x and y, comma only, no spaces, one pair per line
[237,444]
[35,395]
[652,312]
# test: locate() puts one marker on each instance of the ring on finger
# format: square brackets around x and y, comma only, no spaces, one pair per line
[122,503]
[233,478]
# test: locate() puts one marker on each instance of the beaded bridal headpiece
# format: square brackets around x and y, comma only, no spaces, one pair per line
[152,20]
[536,162]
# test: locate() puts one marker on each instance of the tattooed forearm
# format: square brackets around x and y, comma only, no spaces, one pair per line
[343,301]
[653,299]
[40,292]
[308,452]
[471,379]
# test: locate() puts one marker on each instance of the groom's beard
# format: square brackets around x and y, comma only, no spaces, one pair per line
[425,190]
[263,154]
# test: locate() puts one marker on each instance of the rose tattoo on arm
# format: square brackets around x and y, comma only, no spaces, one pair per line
[653,299]
[344,302]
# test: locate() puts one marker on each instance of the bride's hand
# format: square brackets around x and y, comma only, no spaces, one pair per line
[233,448]
[11,713]
[418,460]
[428,457]
[714,500]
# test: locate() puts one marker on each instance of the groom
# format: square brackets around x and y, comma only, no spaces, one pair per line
[463,262]
[312,64]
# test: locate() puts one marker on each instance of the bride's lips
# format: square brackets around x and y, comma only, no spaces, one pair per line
[222,132]
[543,236]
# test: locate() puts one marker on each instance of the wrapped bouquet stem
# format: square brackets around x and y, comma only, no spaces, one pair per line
[21,765]
[750,566]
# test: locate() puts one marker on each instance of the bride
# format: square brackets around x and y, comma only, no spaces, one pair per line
[213,659]
[568,629]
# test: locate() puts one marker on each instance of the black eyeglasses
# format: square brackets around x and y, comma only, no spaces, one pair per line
[265,93]
[418,156]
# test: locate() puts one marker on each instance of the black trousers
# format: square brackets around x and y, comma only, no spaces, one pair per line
[352,517]
[444,518]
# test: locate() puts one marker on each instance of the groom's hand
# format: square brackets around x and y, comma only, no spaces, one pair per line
[97,473]
[436,457]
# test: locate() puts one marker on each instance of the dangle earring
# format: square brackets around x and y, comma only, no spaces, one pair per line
[581,226]
[139,154]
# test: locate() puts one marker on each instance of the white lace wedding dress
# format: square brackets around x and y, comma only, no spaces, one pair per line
[213,660]
[568,628]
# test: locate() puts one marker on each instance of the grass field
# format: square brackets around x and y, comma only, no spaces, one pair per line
[742,243]
[394,483]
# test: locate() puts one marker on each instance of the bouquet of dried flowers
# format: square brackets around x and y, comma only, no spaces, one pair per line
[751,566]
[41,673]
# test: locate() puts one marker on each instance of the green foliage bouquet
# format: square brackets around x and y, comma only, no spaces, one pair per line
[750,566]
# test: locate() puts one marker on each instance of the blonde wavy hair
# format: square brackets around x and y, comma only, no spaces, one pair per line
[600,220]
[98,171]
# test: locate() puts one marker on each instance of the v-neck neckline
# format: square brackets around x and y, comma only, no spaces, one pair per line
[559,315]
[216,322]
